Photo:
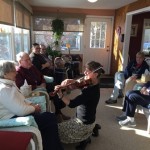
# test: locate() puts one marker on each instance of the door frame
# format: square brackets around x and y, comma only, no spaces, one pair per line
[128,24]
[111,37]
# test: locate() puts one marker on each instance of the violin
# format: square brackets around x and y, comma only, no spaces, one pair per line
[77,83]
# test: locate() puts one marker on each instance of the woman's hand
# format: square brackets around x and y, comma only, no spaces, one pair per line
[69,83]
[59,93]
[37,108]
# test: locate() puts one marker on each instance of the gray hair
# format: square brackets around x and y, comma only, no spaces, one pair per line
[20,55]
[6,67]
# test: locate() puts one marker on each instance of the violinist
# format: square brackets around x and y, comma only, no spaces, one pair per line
[80,128]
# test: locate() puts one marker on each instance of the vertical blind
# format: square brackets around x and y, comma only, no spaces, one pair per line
[6,12]
[22,16]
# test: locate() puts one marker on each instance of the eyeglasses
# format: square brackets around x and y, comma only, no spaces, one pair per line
[26,59]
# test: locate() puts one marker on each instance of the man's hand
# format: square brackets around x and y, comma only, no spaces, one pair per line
[144,91]
[133,77]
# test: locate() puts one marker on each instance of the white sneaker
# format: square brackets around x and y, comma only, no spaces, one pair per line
[127,123]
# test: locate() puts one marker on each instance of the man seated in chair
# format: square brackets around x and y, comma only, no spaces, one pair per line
[132,99]
[39,62]
[127,78]
[27,71]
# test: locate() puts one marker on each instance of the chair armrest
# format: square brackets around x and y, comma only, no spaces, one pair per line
[42,93]
[48,79]
[41,100]
[19,121]
[35,132]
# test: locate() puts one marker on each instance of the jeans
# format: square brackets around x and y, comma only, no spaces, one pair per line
[118,85]
[132,99]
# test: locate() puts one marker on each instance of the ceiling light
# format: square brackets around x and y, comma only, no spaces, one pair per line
[92,1]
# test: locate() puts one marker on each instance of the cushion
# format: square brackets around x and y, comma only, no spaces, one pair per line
[48,79]
[39,100]
[40,89]
[10,140]
[19,121]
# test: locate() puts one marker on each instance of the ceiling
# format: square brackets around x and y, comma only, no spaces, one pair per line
[82,4]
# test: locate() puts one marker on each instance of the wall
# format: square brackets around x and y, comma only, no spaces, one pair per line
[70,11]
[139,20]
[120,18]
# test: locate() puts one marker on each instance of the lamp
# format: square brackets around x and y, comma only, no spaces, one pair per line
[92,1]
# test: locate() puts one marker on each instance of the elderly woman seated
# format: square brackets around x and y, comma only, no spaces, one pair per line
[13,104]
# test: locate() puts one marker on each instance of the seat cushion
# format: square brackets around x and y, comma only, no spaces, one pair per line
[10,140]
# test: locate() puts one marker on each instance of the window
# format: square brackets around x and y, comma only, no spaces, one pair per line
[26,40]
[146,37]
[46,38]
[72,35]
[12,41]
[5,42]
[17,40]
[98,34]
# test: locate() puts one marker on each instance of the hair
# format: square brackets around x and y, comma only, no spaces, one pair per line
[58,61]
[35,44]
[20,55]
[6,67]
[141,54]
[93,65]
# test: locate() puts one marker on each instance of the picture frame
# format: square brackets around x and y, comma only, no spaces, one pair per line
[134,29]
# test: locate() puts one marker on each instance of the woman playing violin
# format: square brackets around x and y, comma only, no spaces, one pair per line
[81,127]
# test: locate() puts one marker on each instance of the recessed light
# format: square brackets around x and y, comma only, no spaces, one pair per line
[92,1]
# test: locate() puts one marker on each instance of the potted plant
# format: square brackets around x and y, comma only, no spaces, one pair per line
[53,53]
[58,29]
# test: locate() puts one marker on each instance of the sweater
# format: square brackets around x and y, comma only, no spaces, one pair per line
[86,104]
[12,102]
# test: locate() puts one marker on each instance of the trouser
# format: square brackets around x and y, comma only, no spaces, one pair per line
[47,125]
[132,99]
[118,85]
[58,104]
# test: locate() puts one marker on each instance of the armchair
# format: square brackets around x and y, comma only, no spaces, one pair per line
[26,126]
[23,125]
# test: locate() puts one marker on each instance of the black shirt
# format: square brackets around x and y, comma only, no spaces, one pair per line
[87,103]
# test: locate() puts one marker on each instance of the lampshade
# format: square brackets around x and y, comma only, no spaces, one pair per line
[92,1]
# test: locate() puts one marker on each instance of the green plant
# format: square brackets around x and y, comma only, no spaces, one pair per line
[53,53]
[58,29]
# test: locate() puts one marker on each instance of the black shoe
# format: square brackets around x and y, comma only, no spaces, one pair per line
[95,130]
[120,94]
[111,101]
[83,144]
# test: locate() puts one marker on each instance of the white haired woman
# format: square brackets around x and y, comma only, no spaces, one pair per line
[13,104]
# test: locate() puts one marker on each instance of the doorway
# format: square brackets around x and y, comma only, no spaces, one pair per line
[128,32]
[97,38]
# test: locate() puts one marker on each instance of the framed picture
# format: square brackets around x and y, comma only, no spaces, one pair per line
[134,29]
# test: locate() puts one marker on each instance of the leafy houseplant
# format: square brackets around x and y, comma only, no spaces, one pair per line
[53,53]
[58,29]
